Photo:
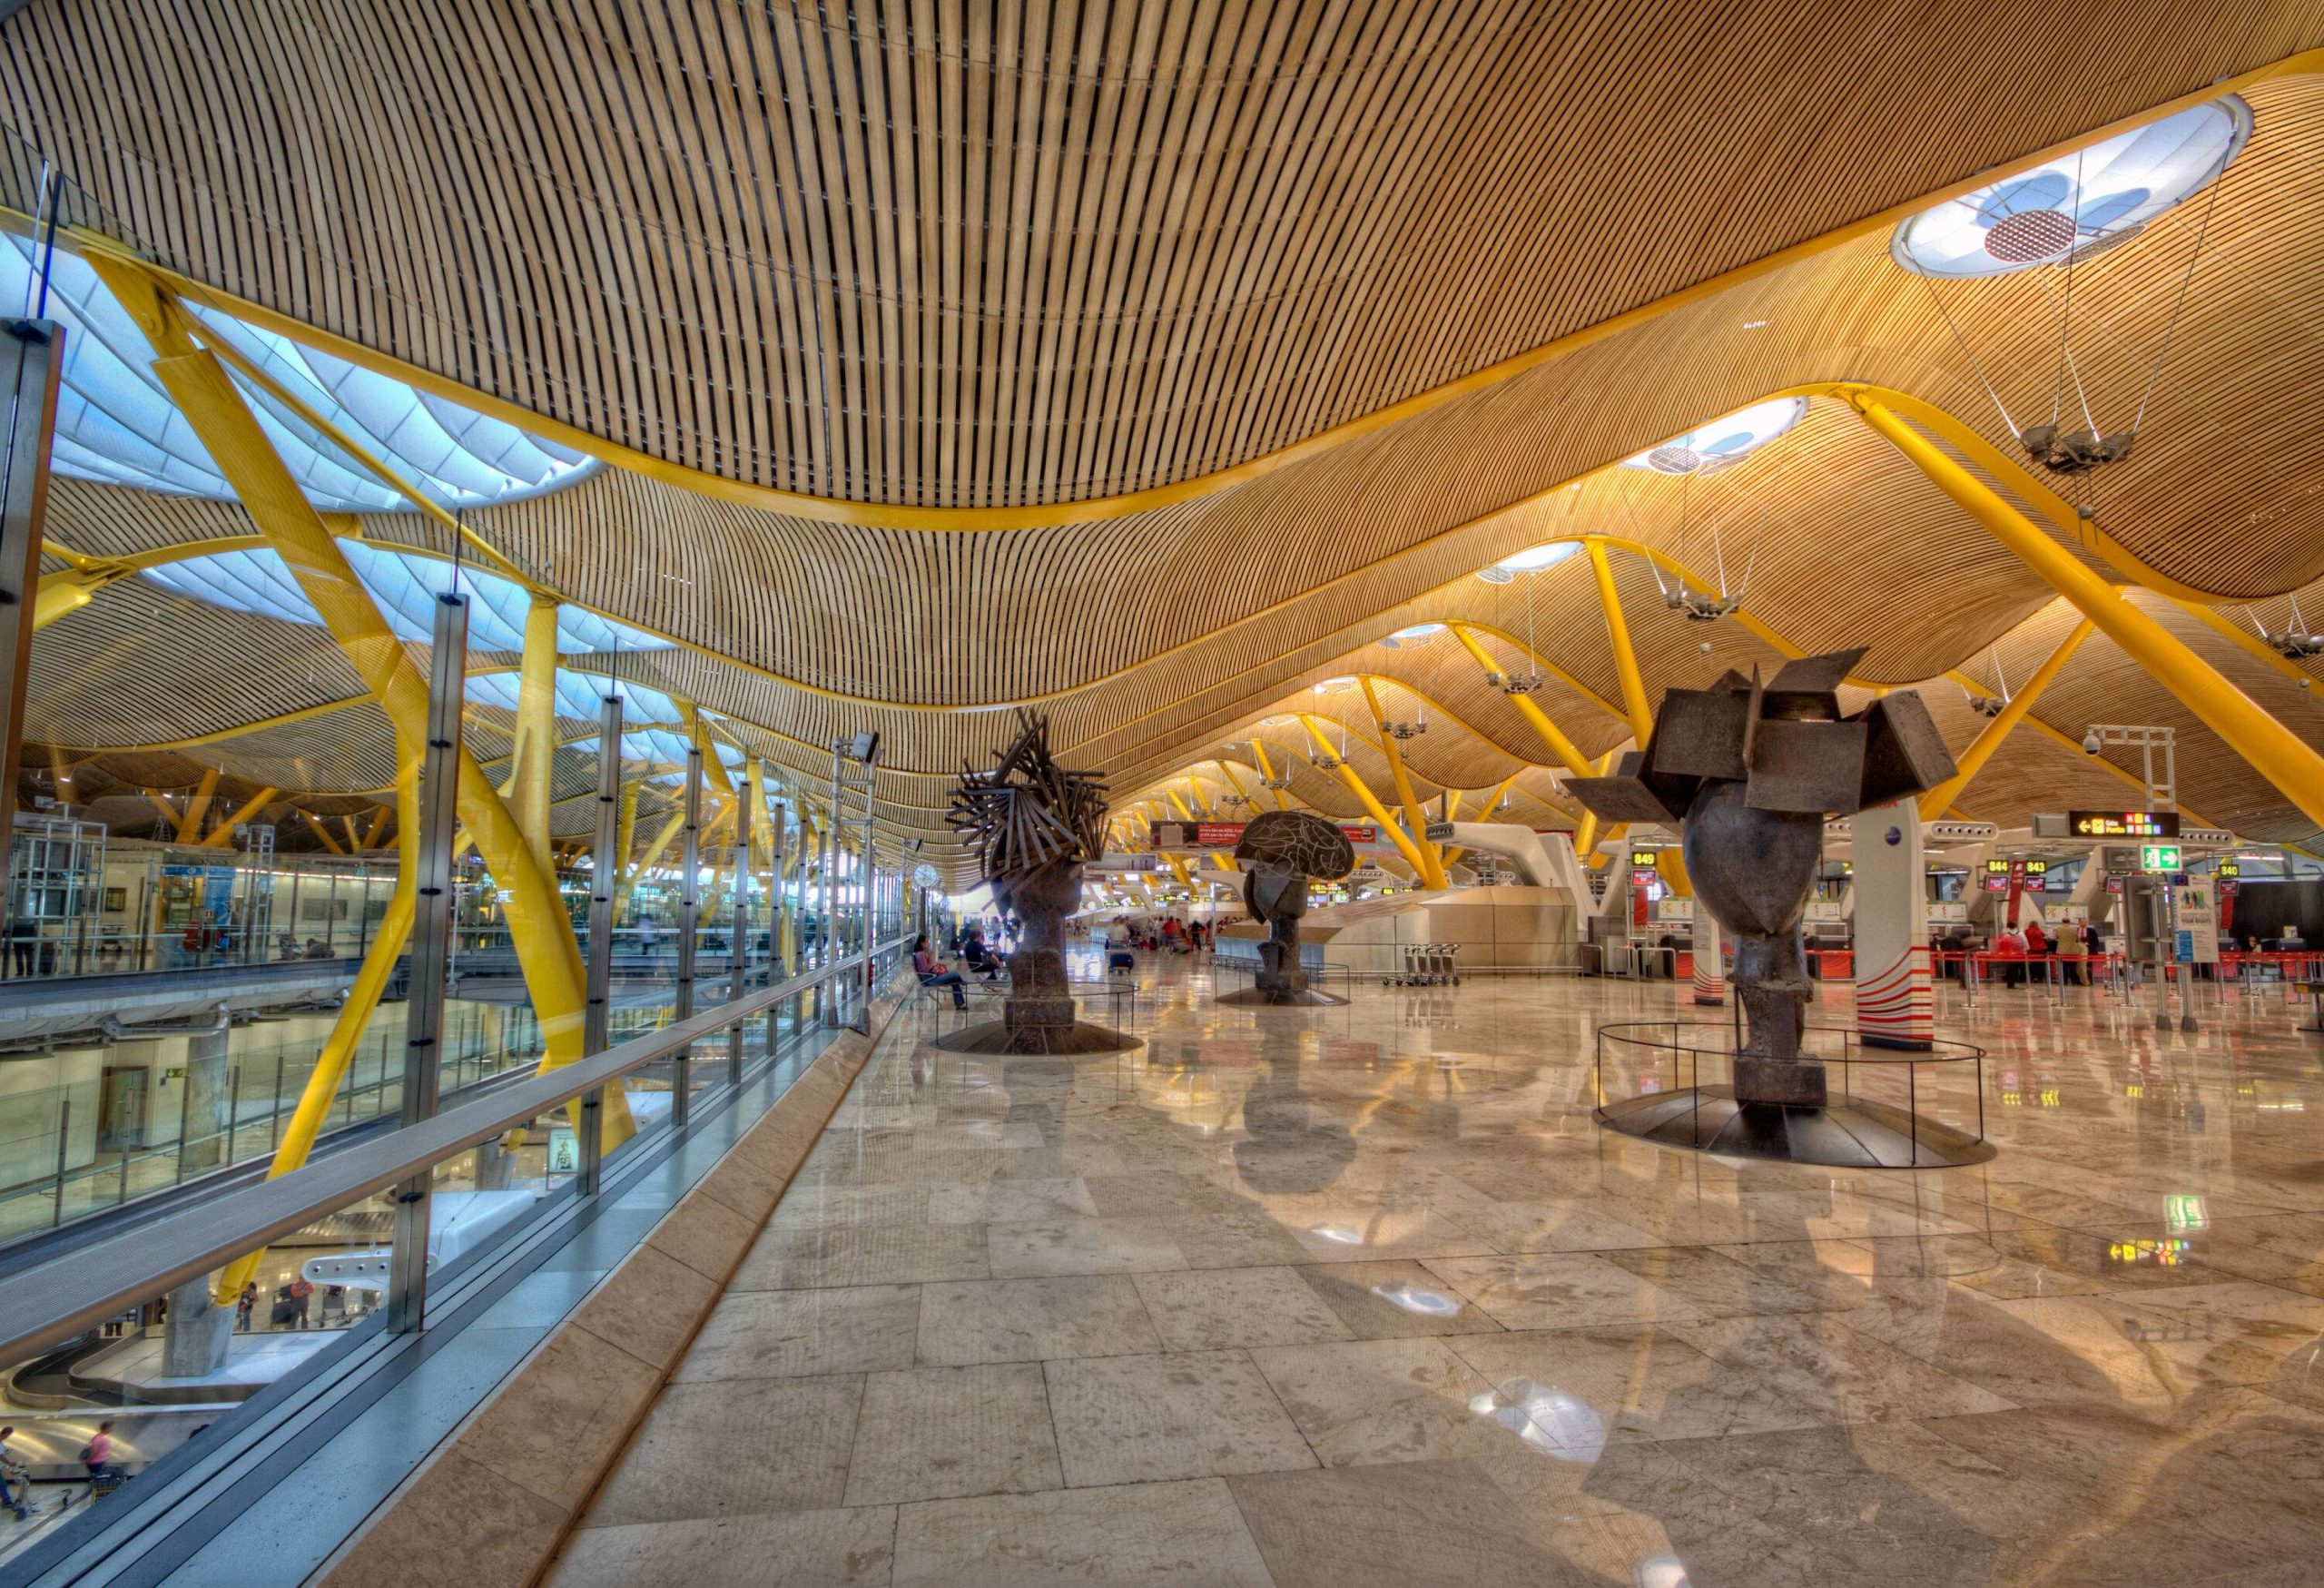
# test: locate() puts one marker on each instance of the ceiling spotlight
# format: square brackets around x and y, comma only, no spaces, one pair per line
[2075,451]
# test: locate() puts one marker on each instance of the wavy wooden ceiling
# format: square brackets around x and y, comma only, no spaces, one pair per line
[940,252]
[1031,255]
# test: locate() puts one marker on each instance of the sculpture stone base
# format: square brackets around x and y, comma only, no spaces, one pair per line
[1786,1082]
[1261,997]
[1860,1135]
[1037,1026]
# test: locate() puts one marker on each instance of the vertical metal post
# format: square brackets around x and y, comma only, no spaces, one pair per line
[689,928]
[871,896]
[739,940]
[604,880]
[431,939]
[63,1143]
[775,904]
[33,358]
[826,938]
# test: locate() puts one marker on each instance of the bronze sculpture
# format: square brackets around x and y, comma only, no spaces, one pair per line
[1751,770]
[1032,824]
[1282,852]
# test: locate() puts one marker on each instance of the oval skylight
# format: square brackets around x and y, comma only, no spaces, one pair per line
[259,583]
[1532,560]
[1417,633]
[117,425]
[1722,441]
[2078,201]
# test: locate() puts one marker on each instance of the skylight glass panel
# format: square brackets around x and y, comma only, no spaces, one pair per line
[2079,200]
[1723,441]
[405,588]
[117,425]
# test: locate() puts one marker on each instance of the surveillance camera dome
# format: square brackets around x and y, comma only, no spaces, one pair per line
[2090,743]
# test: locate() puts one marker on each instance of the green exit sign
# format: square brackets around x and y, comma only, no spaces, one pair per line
[2159,857]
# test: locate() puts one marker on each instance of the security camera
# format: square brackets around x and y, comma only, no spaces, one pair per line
[2091,743]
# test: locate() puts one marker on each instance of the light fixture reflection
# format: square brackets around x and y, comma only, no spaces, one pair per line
[1417,1298]
[1546,1418]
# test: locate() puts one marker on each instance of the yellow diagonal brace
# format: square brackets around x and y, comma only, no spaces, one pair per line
[1617,631]
[1432,864]
[539,927]
[2274,751]
[1370,802]
[224,833]
[347,1028]
[190,824]
[1989,739]
[1563,748]
[322,831]
[1267,771]
[534,748]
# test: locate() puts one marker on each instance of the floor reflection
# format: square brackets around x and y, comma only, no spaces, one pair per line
[1361,1295]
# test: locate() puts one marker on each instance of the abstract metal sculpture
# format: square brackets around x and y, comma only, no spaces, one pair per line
[1751,770]
[1283,851]
[1032,824]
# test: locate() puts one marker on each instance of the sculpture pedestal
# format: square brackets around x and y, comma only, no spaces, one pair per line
[1863,1135]
[1038,1016]
[1786,1082]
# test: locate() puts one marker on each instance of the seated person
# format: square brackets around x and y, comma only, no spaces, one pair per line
[979,958]
[934,972]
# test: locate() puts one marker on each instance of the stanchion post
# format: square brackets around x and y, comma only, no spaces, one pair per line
[432,943]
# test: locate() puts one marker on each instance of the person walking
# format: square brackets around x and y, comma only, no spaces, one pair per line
[96,1459]
[244,1305]
[934,972]
[2070,952]
[15,1478]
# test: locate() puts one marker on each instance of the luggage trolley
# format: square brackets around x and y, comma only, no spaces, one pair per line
[1426,964]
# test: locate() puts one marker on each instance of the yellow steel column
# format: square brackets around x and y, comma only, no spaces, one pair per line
[1586,838]
[347,1028]
[224,833]
[1563,748]
[1267,771]
[1618,632]
[1370,803]
[1432,864]
[1990,737]
[541,930]
[536,742]
[190,824]
[2274,751]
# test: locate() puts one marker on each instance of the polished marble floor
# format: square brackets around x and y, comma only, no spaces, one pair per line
[1361,1296]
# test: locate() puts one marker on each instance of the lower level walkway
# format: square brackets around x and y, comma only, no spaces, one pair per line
[1362,1295]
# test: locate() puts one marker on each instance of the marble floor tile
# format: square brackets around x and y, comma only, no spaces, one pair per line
[1029,1320]
[1234,1240]
[1081,1246]
[777,1334]
[743,1447]
[1193,1413]
[1395,1527]
[1837,1372]
[1211,1310]
[1347,1233]
[798,1259]
[1010,1202]
[2097,1358]
[940,1432]
[849,1547]
[1182,1535]
[1393,1400]
[1383,1300]
[1706,1282]
[1548,1290]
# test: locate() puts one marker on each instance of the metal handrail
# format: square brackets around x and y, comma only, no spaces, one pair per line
[55,1300]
